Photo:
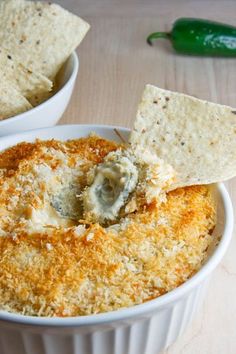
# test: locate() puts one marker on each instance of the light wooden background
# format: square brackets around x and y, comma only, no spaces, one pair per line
[115,64]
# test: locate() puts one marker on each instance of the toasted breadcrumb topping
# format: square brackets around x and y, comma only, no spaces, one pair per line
[54,263]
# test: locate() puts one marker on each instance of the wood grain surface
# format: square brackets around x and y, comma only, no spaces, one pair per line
[115,64]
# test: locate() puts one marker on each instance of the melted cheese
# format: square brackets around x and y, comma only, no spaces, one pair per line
[112,182]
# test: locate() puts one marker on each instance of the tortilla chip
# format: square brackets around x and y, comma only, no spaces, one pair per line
[11,101]
[33,86]
[40,34]
[196,137]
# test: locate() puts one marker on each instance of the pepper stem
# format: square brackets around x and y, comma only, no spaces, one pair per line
[157,35]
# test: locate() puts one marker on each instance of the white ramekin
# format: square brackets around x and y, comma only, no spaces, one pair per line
[142,329]
[49,112]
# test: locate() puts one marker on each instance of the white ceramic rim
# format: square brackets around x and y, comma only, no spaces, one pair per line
[41,105]
[148,306]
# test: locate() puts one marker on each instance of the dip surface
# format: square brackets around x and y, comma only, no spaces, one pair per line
[53,263]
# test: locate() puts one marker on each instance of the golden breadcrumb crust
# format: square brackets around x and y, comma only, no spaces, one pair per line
[67,269]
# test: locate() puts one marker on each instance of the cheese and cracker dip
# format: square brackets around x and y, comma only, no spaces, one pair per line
[90,226]
[59,260]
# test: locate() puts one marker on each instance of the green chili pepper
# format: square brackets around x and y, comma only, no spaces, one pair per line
[200,37]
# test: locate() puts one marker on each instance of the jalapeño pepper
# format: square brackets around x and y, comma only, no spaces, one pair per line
[200,37]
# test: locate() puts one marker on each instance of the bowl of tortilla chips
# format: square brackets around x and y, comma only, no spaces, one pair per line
[38,63]
[193,136]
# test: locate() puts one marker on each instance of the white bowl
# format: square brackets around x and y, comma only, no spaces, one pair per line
[142,329]
[49,112]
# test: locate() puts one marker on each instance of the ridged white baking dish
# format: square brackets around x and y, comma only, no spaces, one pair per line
[143,329]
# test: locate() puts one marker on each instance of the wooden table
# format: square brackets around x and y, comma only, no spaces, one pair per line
[115,64]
